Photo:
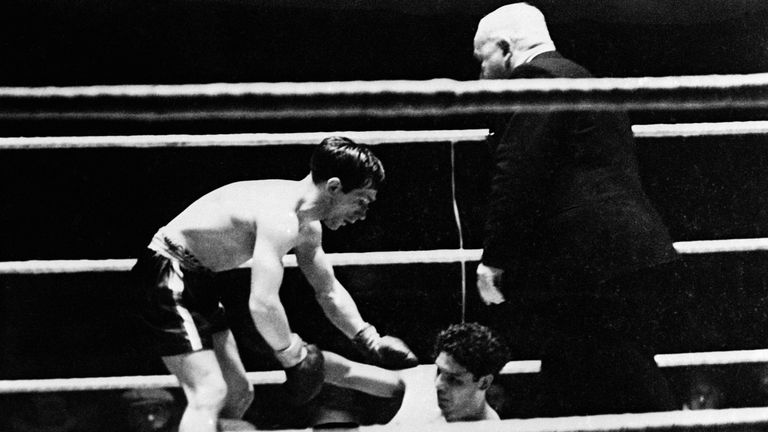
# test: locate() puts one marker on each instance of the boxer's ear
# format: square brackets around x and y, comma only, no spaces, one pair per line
[485,382]
[506,48]
[333,185]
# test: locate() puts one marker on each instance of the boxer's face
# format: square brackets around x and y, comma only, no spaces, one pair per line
[457,389]
[350,207]
[494,61]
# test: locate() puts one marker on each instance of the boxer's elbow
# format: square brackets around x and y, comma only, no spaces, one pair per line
[264,305]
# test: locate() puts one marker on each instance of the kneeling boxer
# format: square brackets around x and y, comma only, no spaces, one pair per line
[260,220]
[468,357]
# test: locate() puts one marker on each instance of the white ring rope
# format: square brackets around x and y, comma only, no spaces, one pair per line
[731,419]
[700,129]
[722,246]
[242,140]
[337,259]
[117,382]
[277,376]
[382,99]
[712,358]
[367,137]
[435,256]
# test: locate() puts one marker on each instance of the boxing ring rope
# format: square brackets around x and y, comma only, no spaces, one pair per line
[243,140]
[732,420]
[117,383]
[391,99]
[353,258]
[435,256]
[277,376]
[378,99]
[368,137]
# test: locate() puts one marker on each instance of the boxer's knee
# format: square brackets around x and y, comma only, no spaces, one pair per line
[209,394]
[240,395]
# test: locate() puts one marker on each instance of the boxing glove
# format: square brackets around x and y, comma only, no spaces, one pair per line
[387,351]
[304,370]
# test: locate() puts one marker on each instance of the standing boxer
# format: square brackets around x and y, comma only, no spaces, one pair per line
[259,220]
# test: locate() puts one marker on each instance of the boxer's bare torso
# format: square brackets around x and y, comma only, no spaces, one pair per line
[220,228]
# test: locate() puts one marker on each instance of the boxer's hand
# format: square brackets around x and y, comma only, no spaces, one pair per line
[488,281]
[304,370]
[388,352]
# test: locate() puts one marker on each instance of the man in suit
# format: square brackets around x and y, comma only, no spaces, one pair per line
[575,258]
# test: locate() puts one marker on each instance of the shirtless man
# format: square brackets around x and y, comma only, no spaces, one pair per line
[260,220]
[468,358]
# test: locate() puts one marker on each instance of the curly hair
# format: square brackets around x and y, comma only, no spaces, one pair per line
[354,164]
[475,347]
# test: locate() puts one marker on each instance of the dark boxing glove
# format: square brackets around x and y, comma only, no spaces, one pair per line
[387,351]
[304,370]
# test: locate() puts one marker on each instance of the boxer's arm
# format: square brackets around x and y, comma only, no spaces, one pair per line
[264,302]
[303,363]
[419,405]
[362,377]
[387,351]
[335,300]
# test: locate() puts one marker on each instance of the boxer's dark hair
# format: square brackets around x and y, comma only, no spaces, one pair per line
[354,164]
[475,347]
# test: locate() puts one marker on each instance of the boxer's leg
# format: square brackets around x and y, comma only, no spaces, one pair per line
[201,379]
[239,390]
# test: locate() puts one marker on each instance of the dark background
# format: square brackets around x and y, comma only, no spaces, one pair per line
[81,42]
[106,203]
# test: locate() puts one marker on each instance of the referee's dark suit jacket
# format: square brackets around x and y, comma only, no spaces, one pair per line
[566,205]
[589,262]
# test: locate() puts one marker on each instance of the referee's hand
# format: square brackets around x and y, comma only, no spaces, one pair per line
[488,281]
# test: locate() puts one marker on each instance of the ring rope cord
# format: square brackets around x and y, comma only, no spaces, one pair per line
[436,256]
[278,376]
[756,127]
[118,382]
[711,358]
[460,233]
[682,130]
[731,419]
[723,420]
[379,99]
[242,140]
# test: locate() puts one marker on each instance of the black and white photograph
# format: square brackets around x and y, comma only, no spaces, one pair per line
[383,215]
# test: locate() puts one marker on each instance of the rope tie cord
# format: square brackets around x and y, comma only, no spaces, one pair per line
[379,99]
